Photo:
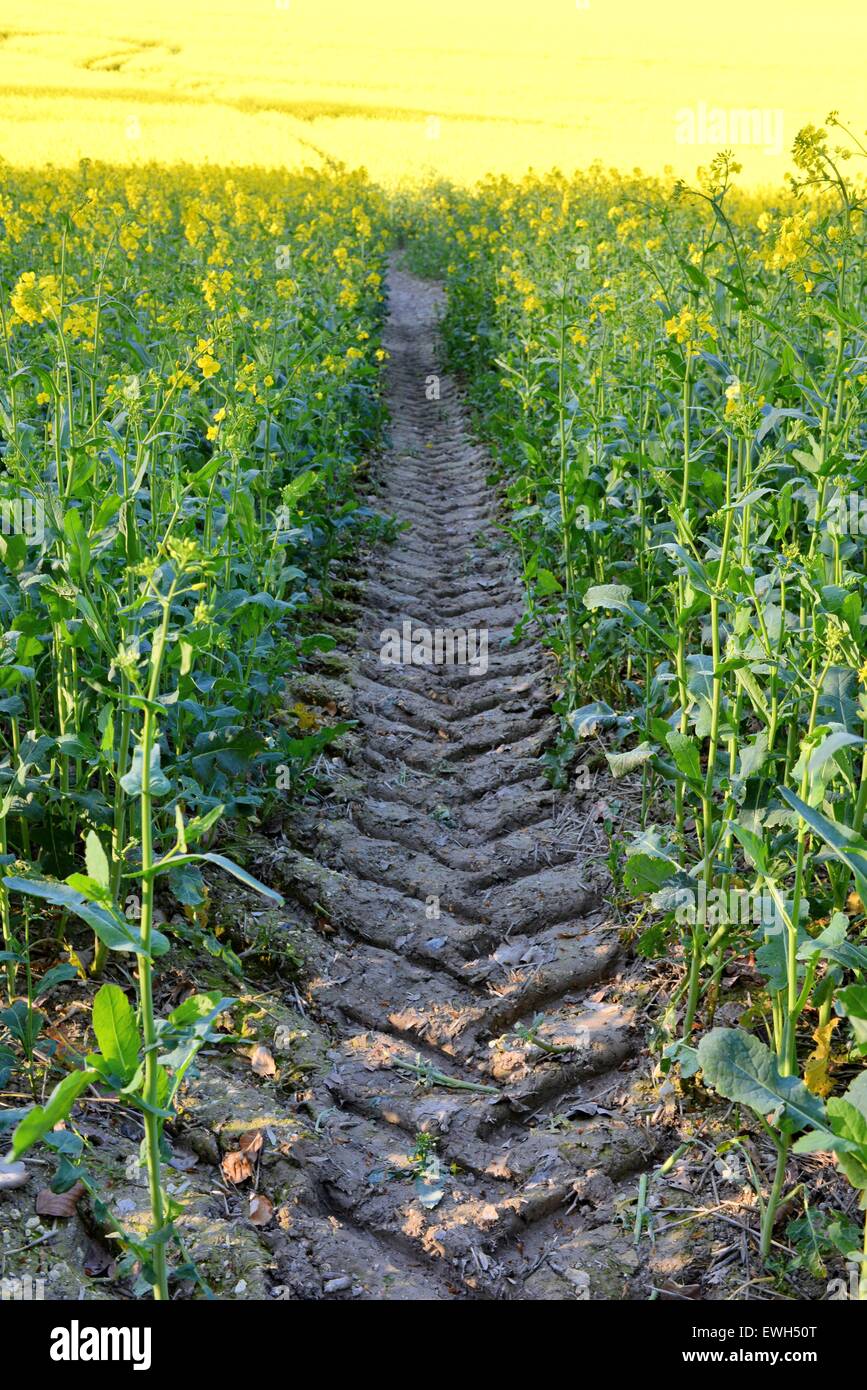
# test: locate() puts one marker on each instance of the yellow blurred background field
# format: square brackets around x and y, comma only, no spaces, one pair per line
[410,89]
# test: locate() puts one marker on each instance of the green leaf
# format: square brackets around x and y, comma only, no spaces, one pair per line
[621,763]
[159,784]
[848,1141]
[548,583]
[829,747]
[299,487]
[200,1009]
[111,928]
[615,596]
[848,847]
[857,1093]
[57,975]
[684,750]
[96,860]
[831,944]
[78,550]
[851,1002]
[743,1068]
[199,825]
[42,1118]
[586,720]
[753,845]
[644,873]
[116,1031]
[223,863]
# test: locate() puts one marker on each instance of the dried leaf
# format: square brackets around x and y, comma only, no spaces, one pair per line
[261,1209]
[262,1061]
[307,718]
[816,1068]
[236,1167]
[251,1141]
[50,1203]
[499,1169]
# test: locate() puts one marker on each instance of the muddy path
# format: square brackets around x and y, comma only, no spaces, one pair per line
[455,1158]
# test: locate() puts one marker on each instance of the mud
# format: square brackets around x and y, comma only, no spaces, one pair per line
[466,1149]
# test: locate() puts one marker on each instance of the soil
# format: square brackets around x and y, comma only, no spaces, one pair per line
[468,1150]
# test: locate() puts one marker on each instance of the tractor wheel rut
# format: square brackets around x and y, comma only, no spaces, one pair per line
[468,1148]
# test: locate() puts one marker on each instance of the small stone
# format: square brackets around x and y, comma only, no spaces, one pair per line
[337,1285]
[13,1175]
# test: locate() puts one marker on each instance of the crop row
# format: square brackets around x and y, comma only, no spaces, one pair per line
[675,379]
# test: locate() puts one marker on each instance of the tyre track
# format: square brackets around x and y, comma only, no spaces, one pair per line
[455,819]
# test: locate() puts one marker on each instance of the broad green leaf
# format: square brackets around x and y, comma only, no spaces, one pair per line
[199,825]
[299,487]
[42,1118]
[159,784]
[831,944]
[96,860]
[586,720]
[109,925]
[78,550]
[621,763]
[685,752]
[116,1031]
[856,1093]
[853,1001]
[753,845]
[615,596]
[644,873]
[57,975]
[849,848]
[829,747]
[199,1009]
[743,1068]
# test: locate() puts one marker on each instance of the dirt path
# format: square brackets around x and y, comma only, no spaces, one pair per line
[514,1190]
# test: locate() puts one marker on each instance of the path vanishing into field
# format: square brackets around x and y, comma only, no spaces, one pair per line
[532,1143]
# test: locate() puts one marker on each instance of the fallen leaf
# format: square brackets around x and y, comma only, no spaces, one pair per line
[816,1075]
[236,1167]
[251,1141]
[262,1061]
[499,1169]
[307,718]
[670,1290]
[261,1209]
[50,1203]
